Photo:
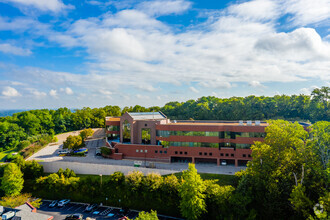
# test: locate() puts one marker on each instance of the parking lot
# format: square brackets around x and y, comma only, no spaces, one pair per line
[100,212]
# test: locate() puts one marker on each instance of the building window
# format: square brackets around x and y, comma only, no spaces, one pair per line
[165,152]
[249,155]
[232,155]
[210,154]
[156,151]
[145,135]
[180,152]
[186,153]
[126,132]
[145,151]
[244,155]
[200,153]
[137,151]
[221,154]
[227,155]
[160,151]
[205,154]
[145,125]
[176,152]
[141,151]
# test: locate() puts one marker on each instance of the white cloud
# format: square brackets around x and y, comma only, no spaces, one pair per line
[217,83]
[304,12]
[146,87]
[10,49]
[139,96]
[131,50]
[68,91]
[105,92]
[193,89]
[10,92]
[307,91]
[262,10]
[256,84]
[53,93]
[43,5]
[299,45]
[164,7]
[37,94]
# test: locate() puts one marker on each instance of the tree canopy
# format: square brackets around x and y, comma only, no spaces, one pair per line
[12,180]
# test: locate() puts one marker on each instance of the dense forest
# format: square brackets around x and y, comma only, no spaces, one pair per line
[24,125]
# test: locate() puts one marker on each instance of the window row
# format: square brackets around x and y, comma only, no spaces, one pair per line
[156,151]
[202,144]
[180,152]
[161,133]
[189,144]
[221,134]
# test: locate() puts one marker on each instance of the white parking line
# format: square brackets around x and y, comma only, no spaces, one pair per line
[73,205]
[80,207]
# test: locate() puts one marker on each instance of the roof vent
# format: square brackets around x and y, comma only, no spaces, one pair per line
[248,122]
[174,121]
[240,122]
[257,123]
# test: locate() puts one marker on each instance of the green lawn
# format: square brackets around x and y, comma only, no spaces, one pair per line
[4,154]
[223,179]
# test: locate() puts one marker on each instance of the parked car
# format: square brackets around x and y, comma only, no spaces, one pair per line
[63,152]
[53,203]
[98,152]
[8,215]
[81,150]
[91,207]
[223,162]
[74,216]
[63,202]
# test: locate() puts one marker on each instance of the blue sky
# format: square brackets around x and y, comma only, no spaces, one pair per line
[58,53]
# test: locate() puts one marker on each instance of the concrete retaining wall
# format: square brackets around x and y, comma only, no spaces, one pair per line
[104,169]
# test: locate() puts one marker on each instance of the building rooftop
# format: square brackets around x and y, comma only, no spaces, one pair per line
[216,124]
[147,115]
[219,123]
[112,118]
[21,214]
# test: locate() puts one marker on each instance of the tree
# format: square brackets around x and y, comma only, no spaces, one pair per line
[86,133]
[147,216]
[72,142]
[282,180]
[14,201]
[191,191]
[12,180]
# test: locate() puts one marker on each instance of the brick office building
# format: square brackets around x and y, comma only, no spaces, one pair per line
[152,136]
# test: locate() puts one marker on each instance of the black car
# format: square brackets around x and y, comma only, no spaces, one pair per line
[74,216]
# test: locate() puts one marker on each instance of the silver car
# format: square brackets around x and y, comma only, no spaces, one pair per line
[63,202]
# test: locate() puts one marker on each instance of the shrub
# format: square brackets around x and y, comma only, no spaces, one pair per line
[55,139]
[23,144]
[106,151]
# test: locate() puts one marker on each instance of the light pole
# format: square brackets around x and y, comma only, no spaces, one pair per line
[101,179]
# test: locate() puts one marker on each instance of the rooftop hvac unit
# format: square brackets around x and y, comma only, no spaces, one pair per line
[174,121]
[249,122]
[257,123]
[240,122]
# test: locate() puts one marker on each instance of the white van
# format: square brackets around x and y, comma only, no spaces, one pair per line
[8,215]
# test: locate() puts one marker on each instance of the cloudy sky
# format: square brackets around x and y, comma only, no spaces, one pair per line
[56,53]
